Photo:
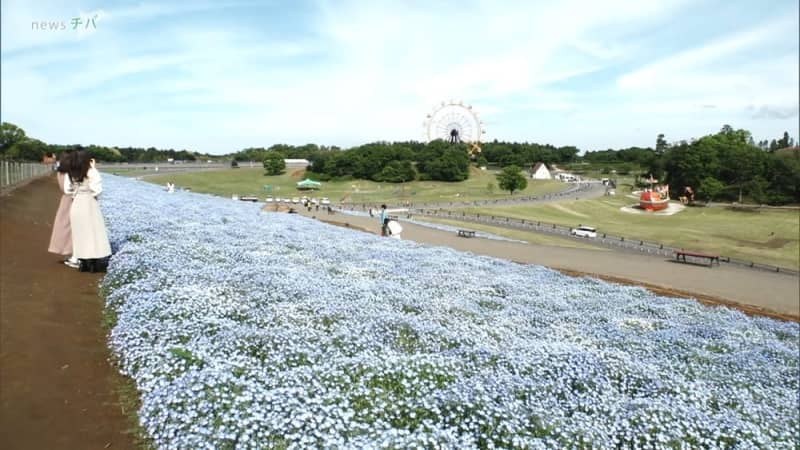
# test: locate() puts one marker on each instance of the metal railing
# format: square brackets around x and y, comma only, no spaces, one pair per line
[604,239]
[13,172]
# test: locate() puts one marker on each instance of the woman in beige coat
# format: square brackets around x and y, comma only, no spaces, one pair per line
[61,237]
[89,235]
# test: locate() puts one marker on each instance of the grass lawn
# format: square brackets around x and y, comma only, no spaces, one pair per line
[251,181]
[766,236]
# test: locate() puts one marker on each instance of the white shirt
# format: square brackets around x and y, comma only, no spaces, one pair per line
[92,180]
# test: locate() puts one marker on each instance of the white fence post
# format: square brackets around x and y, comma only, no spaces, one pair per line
[12,172]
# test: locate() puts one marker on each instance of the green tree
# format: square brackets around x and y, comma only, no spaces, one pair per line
[652,163]
[397,172]
[739,162]
[511,179]
[10,134]
[757,189]
[688,164]
[661,144]
[784,173]
[773,145]
[451,165]
[710,187]
[28,149]
[370,159]
[481,161]
[274,163]
[785,141]
[564,154]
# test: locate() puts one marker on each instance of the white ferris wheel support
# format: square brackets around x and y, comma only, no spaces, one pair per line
[455,122]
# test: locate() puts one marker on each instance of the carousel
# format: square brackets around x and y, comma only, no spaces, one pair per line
[655,198]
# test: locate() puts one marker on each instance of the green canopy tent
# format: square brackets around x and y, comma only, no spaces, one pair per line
[308,184]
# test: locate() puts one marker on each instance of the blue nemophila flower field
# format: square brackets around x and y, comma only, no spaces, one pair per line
[245,329]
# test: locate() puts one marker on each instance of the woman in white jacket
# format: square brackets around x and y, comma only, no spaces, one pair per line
[89,235]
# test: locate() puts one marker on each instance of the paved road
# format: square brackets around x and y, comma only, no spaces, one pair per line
[744,287]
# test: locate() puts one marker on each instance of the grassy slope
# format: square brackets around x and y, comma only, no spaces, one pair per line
[767,236]
[251,181]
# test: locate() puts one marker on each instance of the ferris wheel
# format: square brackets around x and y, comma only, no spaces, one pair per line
[455,122]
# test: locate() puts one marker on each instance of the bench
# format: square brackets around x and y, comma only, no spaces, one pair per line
[680,255]
[466,233]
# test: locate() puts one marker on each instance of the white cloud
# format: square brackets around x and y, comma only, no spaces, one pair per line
[730,73]
[368,71]
[776,112]
[703,62]
[716,73]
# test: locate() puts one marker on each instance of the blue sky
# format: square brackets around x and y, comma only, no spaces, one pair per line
[218,76]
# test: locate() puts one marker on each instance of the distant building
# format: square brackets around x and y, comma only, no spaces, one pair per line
[297,163]
[541,172]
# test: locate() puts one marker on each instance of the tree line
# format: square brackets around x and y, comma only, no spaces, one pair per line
[393,162]
[524,154]
[397,162]
[15,144]
[727,165]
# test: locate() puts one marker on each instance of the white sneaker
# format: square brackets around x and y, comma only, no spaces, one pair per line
[74,265]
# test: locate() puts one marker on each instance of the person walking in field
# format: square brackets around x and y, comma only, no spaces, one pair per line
[61,236]
[89,235]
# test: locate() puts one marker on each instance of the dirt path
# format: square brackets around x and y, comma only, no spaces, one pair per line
[771,294]
[57,390]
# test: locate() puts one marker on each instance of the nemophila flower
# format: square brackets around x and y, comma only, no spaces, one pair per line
[250,330]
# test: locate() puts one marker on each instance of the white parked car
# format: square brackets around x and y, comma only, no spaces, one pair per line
[325,201]
[269,200]
[584,231]
[295,200]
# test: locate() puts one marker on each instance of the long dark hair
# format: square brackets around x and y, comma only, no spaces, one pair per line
[80,165]
[65,161]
